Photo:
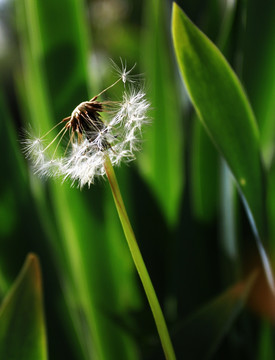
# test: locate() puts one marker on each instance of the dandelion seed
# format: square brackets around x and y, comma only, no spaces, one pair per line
[123,73]
[90,138]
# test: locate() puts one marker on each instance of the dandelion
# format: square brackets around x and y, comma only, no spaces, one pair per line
[94,145]
[90,137]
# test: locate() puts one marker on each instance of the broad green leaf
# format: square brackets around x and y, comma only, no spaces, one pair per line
[205,161]
[224,110]
[202,333]
[161,159]
[22,327]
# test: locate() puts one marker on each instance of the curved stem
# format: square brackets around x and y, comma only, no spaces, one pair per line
[139,263]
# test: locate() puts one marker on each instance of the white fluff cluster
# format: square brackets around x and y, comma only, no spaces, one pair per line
[84,160]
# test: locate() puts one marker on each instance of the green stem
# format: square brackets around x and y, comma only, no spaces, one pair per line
[139,263]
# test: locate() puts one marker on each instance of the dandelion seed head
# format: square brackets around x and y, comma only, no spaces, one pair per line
[90,139]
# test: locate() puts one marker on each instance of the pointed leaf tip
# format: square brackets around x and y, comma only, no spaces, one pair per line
[32,266]
[22,326]
[202,333]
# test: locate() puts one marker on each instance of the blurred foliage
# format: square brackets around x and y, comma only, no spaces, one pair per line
[181,199]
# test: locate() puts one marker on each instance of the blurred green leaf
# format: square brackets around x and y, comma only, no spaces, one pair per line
[55,55]
[266,341]
[22,327]
[224,110]
[162,162]
[271,208]
[14,190]
[204,174]
[230,259]
[259,70]
[203,332]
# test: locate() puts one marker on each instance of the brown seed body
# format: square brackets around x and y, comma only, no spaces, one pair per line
[86,119]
